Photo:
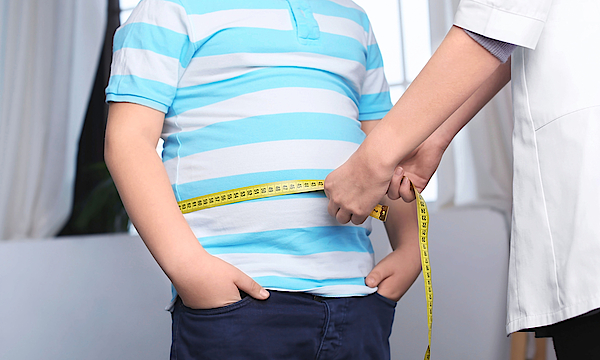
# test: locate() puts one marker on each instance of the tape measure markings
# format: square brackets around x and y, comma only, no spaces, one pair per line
[423,220]
[302,186]
[260,192]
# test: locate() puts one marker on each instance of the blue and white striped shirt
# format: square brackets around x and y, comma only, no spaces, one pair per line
[257,91]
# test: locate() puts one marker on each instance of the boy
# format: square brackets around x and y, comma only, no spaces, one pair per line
[246,93]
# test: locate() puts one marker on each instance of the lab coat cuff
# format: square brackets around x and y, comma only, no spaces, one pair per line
[498,24]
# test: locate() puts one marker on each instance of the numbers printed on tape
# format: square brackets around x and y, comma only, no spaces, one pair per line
[423,219]
[260,192]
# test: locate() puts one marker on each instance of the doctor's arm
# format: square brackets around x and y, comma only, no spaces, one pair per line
[420,165]
[453,74]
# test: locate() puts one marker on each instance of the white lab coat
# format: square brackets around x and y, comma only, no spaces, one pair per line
[554,271]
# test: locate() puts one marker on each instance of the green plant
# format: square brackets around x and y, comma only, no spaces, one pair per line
[101,210]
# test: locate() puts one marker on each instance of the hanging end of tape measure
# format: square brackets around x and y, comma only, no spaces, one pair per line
[380,212]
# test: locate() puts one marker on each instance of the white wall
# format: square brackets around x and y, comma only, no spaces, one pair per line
[469,262]
[102,297]
[99,297]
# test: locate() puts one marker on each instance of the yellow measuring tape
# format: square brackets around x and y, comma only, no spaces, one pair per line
[423,219]
[300,186]
[263,191]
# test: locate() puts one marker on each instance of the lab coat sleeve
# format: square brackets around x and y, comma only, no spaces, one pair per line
[513,21]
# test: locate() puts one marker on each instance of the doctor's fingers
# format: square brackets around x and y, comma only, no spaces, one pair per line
[406,191]
[394,188]
[334,210]
[343,216]
[357,219]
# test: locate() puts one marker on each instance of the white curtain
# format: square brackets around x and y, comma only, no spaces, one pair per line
[477,167]
[49,52]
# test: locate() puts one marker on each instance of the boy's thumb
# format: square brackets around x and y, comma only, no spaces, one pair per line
[252,288]
[379,273]
[374,278]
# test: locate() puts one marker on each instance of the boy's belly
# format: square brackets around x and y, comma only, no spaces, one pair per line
[289,243]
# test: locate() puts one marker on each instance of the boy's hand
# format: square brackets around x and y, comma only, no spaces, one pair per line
[393,275]
[211,283]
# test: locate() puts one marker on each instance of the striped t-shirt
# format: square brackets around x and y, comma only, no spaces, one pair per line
[258,91]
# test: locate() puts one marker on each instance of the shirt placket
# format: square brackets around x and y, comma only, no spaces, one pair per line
[307,28]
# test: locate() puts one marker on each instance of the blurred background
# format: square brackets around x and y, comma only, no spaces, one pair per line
[77,283]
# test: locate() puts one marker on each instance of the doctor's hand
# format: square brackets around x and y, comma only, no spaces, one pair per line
[419,166]
[355,188]
[209,282]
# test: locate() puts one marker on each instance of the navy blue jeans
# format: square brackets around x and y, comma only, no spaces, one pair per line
[286,326]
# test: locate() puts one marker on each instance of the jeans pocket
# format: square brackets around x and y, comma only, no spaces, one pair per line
[387,301]
[216,311]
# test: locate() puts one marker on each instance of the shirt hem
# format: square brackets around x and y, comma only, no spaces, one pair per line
[137,100]
[534,321]
[171,304]
[373,116]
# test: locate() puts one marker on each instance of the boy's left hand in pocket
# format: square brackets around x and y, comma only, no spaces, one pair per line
[393,275]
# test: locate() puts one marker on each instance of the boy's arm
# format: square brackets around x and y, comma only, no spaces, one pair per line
[397,271]
[201,280]
[455,71]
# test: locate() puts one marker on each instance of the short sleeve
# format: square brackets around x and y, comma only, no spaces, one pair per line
[511,21]
[375,99]
[150,52]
